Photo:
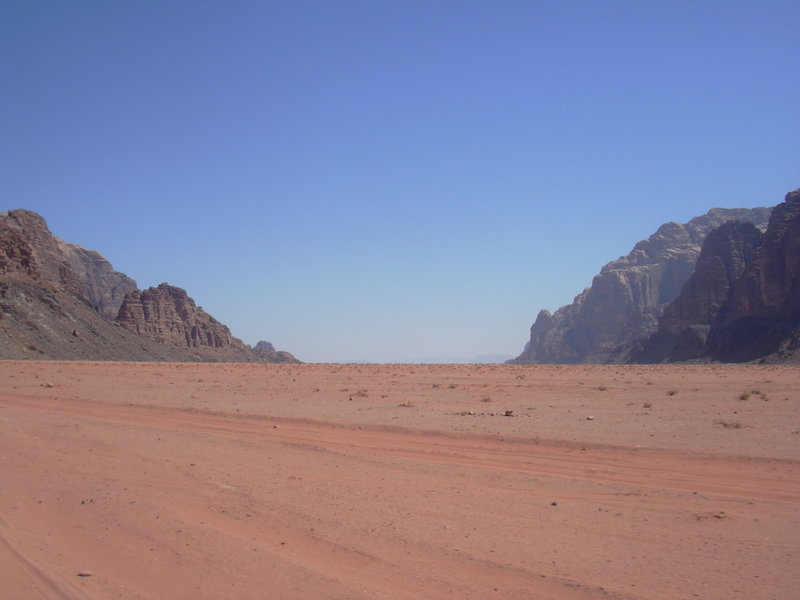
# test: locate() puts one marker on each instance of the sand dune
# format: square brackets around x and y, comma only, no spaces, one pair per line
[387,481]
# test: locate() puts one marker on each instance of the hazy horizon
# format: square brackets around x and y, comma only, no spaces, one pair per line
[376,181]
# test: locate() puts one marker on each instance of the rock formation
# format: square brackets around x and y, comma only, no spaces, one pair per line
[628,296]
[168,315]
[268,353]
[29,252]
[743,301]
[684,326]
[59,301]
[103,287]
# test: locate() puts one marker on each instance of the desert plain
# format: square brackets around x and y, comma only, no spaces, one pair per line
[242,481]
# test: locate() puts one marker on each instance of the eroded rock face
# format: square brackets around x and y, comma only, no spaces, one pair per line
[45,312]
[764,314]
[264,346]
[104,287]
[743,301]
[59,301]
[684,326]
[168,315]
[628,296]
[28,251]
[268,353]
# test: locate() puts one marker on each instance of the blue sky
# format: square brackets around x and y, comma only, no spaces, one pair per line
[370,180]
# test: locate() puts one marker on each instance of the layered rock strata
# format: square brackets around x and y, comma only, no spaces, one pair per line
[168,315]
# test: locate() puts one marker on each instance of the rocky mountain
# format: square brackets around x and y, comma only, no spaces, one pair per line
[103,287]
[628,296]
[686,322]
[61,301]
[268,352]
[742,303]
[29,252]
[167,315]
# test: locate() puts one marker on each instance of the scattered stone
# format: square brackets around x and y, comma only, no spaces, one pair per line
[508,413]
[554,504]
[84,573]
[276,426]
[590,418]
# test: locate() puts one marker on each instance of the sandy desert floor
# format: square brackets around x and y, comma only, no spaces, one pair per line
[193,481]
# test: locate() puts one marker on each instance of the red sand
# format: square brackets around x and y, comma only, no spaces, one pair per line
[384,481]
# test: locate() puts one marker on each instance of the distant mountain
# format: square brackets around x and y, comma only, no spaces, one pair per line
[61,301]
[742,303]
[269,354]
[628,296]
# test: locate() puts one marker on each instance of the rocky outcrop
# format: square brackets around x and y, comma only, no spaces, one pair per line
[168,315]
[684,326]
[103,287]
[56,299]
[42,322]
[264,346]
[764,315]
[743,301]
[267,353]
[29,252]
[628,296]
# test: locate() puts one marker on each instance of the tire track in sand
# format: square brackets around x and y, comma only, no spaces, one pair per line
[761,479]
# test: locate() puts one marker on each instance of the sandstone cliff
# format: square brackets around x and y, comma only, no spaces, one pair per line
[684,326]
[103,287]
[167,315]
[743,301]
[628,296]
[57,299]
[44,309]
[29,252]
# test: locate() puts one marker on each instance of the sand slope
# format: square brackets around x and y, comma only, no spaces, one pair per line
[356,481]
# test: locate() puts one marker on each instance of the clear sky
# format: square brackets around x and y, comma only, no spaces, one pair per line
[390,180]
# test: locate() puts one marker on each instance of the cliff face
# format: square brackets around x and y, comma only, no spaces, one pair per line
[743,301]
[59,301]
[684,326]
[29,252]
[169,316]
[103,287]
[44,309]
[764,314]
[628,296]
